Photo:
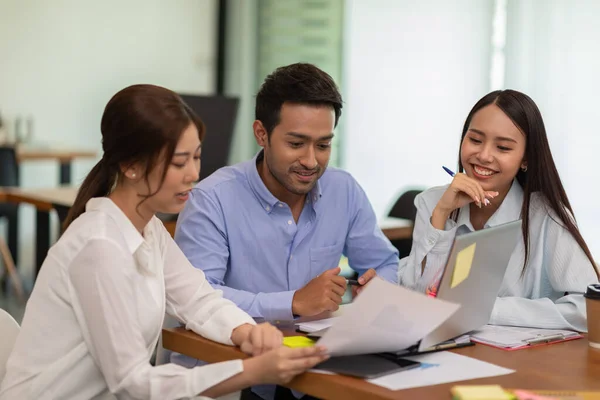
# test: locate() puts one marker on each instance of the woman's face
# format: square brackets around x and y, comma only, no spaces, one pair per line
[183,172]
[493,149]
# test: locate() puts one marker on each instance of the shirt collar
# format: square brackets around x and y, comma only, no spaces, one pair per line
[132,237]
[509,210]
[264,195]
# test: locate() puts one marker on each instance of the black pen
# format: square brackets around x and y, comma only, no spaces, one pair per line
[352,282]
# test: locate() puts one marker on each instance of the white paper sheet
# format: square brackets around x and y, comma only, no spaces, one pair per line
[441,367]
[514,337]
[313,326]
[385,317]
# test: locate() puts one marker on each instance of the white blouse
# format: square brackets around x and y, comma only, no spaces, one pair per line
[96,312]
[548,295]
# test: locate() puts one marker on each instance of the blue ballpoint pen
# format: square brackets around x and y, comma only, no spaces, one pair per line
[449,171]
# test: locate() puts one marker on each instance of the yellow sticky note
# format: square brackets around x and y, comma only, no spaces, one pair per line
[298,341]
[482,392]
[464,259]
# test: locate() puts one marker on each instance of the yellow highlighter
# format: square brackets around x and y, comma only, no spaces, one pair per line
[298,341]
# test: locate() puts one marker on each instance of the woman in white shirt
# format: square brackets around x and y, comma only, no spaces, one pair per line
[507,173]
[95,314]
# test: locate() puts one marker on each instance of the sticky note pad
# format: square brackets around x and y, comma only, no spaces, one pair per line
[298,341]
[527,395]
[483,392]
[464,259]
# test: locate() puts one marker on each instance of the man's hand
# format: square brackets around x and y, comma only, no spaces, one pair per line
[362,281]
[323,293]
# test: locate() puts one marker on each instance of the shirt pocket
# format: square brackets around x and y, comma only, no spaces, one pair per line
[324,258]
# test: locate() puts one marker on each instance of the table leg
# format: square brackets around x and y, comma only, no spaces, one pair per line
[42,221]
[65,173]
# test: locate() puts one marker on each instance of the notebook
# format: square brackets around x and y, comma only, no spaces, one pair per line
[515,338]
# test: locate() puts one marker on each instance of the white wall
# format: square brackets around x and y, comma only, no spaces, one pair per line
[413,71]
[61,61]
[241,71]
[551,54]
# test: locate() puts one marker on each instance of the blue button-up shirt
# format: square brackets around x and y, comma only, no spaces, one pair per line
[249,246]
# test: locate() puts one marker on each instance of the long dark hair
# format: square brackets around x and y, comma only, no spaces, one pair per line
[541,174]
[140,123]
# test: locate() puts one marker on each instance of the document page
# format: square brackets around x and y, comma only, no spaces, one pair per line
[385,317]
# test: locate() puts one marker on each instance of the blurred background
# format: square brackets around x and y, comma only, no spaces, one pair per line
[409,72]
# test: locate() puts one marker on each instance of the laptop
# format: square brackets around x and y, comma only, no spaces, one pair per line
[477,292]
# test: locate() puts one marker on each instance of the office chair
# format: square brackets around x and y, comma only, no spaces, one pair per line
[9,176]
[62,212]
[404,208]
[219,115]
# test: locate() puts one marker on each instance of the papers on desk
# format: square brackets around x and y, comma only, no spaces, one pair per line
[437,368]
[314,326]
[514,338]
[385,317]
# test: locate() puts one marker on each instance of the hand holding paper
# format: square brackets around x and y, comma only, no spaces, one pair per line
[385,317]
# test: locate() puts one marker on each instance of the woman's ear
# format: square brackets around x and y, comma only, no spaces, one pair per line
[130,171]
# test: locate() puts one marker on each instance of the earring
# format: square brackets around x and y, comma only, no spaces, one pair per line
[524,169]
[133,175]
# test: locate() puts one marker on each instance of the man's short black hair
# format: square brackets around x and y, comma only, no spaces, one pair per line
[299,83]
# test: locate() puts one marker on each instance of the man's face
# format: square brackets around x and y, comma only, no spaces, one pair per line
[298,151]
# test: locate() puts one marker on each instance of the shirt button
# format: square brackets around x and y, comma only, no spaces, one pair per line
[280,204]
[289,222]
[267,208]
[431,241]
[291,258]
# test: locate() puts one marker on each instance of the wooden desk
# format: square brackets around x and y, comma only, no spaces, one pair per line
[63,156]
[45,200]
[396,228]
[562,366]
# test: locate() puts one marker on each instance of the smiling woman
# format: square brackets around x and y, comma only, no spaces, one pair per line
[507,173]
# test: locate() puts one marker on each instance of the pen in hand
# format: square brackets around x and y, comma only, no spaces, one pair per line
[452,174]
[449,171]
[352,282]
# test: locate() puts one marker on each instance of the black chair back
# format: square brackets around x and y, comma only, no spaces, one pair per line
[9,176]
[404,208]
[9,170]
[218,114]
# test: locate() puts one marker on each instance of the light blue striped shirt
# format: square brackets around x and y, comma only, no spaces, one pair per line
[249,246]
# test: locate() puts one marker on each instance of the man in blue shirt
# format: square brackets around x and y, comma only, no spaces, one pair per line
[269,232]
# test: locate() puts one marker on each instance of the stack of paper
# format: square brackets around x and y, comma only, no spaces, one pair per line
[385,317]
[314,326]
[513,338]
